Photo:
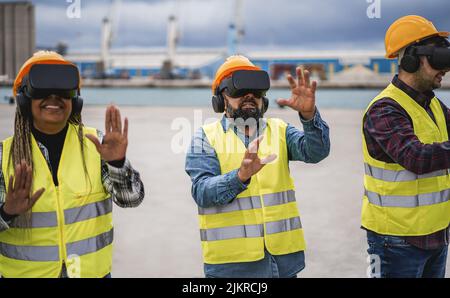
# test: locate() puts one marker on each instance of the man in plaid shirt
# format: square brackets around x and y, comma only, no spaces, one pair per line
[395,222]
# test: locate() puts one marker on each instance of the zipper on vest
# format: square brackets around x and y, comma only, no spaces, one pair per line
[62,244]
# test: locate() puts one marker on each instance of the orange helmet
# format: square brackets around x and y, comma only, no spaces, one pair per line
[406,31]
[232,64]
[41,57]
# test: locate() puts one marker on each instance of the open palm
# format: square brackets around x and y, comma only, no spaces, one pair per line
[115,141]
[303,94]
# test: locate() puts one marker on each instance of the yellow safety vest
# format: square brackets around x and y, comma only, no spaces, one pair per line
[71,223]
[396,201]
[264,215]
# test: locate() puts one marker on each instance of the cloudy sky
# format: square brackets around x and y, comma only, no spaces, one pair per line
[311,24]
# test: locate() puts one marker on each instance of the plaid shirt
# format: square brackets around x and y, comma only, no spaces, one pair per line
[390,137]
[124,184]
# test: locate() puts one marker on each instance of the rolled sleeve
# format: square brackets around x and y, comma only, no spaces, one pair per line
[124,184]
[311,145]
[4,225]
[235,185]
[209,186]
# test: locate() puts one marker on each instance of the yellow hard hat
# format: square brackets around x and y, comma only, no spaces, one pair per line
[408,30]
[232,64]
[41,57]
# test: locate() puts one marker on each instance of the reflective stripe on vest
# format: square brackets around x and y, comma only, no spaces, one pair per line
[51,253]
[279,198]
[252,203]
[30,253]
[87,211]
[49,219]
[38,220]
[399,176]
[236,205]
[409,201]
[284,225]
[397,201]
[251,231]
[90,245]
[265,215]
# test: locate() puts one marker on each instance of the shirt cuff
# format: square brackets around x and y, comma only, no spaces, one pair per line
[119,175]
[4,224]
[117,163]
[7,217]
[235,185]
[313,122]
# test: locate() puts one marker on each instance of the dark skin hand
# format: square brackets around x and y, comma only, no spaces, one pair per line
[18,200]
[115,141]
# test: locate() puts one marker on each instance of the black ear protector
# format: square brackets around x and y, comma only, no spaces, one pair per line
[218,102]
[410,61]
[265,104]
[77,104]
[24,101]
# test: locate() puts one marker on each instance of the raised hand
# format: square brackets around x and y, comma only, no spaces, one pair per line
[303,98]
[115,141]
[18,200]
[252,164]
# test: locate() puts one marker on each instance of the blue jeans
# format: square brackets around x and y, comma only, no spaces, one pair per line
[394,257]
[284,266]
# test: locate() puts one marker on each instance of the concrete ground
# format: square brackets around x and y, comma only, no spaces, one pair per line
[161,238]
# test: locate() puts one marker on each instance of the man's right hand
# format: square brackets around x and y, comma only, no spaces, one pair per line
[251,164]
[18,199]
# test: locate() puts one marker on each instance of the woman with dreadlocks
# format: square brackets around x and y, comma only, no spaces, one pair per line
[58,179]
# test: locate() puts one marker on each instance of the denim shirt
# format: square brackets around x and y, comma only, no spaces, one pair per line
[212,188]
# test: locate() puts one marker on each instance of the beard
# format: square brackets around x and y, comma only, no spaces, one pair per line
[425,82]
[245,114]
[427,85]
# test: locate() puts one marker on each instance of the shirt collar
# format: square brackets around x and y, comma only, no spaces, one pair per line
[423,99]
[225,123]
[228,123]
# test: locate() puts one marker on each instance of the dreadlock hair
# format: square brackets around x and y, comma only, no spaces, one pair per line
[21,150]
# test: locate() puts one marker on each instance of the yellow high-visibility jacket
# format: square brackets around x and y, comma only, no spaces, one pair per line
[265,215]
[71,223]
[396,201]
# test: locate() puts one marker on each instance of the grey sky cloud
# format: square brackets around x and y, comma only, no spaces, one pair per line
[324,24]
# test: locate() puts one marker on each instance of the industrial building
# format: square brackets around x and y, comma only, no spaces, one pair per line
[202,63]
[17,37]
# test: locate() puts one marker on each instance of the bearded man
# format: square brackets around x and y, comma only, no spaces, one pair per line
[239,167]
